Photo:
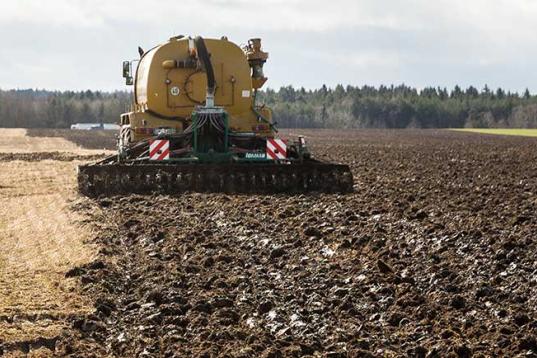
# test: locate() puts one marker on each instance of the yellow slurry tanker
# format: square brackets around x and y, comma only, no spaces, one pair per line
[195,125]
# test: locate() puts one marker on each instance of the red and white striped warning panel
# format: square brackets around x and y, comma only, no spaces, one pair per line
[159,149]
[276,149]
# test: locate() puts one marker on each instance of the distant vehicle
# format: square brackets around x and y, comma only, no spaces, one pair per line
[95,126]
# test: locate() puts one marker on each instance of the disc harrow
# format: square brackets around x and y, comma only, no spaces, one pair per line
[142,178]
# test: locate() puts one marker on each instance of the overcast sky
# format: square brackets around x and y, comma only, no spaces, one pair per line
[79,44]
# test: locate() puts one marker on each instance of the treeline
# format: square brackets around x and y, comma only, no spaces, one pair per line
[401,107]
[46,109]
[339,107]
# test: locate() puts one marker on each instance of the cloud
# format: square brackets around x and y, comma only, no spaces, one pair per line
[80,43]
[51,13]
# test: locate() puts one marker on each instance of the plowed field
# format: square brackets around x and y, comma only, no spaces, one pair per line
[432,255]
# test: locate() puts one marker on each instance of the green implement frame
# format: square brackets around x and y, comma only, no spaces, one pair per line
[201,142]
[211,138]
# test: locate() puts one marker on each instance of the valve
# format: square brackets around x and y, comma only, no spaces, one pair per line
[256,58]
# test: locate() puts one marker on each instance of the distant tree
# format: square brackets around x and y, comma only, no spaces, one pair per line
[486,91]
[472,92]
[339,92]
[391,106]
[456,93]
[324,90]
[100,115]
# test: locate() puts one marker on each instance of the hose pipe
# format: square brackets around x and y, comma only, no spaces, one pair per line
[203,56]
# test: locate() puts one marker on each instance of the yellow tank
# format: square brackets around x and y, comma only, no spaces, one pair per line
[170,82]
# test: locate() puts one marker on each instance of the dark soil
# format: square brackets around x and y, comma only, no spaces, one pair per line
[95,139]
[433,255]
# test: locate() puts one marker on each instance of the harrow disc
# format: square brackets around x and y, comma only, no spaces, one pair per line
[115,178]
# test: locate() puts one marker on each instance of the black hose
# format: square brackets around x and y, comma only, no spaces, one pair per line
[203,55]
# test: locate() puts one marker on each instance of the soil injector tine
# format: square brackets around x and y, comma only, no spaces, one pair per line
[112,179]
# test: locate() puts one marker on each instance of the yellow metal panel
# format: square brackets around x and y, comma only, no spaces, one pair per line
[174,92]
